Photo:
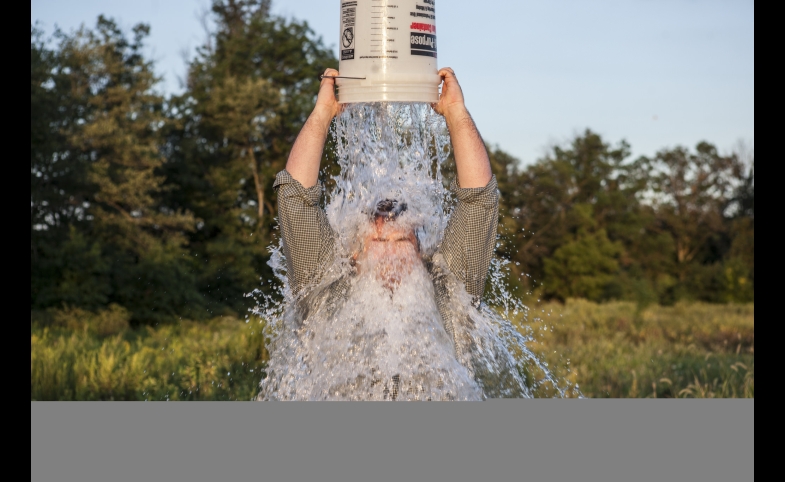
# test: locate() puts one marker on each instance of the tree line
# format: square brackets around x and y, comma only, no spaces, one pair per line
[164,204]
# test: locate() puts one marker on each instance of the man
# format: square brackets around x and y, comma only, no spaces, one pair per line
[389,250]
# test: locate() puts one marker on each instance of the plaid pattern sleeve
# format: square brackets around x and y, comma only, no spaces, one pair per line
[308,240]
[470,236]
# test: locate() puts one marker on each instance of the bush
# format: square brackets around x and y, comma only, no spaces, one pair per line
[108,322]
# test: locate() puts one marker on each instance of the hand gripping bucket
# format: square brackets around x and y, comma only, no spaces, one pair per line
[389,48]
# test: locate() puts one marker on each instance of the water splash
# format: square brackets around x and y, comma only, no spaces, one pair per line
[383,337]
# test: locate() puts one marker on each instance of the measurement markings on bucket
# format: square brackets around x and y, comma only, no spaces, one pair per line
[377,35]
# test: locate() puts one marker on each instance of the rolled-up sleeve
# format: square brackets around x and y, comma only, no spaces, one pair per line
[470,236]
[308,240]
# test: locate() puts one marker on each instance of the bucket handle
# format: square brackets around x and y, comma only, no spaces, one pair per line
[339,77]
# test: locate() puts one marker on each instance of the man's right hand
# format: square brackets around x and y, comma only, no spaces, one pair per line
[306,154]
[326,103]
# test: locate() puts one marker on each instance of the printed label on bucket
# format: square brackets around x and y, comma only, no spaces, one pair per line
[348,21]
[423,44]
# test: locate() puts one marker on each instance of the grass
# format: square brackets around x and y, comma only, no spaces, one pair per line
[608,350]
[77,355]
[616,350]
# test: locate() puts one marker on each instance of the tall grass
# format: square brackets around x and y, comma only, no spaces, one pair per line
[608,350]
[77,355]
[619,350]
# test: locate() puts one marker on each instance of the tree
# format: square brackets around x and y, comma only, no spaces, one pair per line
[583,268]
[739,272]
[702,200]
[58,185]
[688,191]
[96,187]
[554,197]
[250,90]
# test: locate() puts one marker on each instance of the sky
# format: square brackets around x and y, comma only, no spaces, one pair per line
[656,73]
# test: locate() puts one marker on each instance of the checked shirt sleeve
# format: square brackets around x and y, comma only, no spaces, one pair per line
[470,236]
[308,240]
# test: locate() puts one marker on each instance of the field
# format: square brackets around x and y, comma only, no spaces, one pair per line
[615,350]
[608,350]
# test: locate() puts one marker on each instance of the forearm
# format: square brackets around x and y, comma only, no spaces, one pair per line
[471,157]
[306,156]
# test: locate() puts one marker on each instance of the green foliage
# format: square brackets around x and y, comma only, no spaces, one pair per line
[689,192]
[76,273]
[617,350]
[584,268]
[164,207]
[250,90]
[608,350]
[587,222]
[79,355]
[581,187]
[98,227]
[108,322]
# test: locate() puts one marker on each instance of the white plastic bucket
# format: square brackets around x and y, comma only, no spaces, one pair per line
[391,45]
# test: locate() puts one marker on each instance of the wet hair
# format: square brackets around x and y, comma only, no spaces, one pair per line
[389,209]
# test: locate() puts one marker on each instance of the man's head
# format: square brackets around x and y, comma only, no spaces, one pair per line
[390,248]
[386,225]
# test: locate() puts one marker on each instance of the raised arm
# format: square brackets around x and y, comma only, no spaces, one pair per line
[470,236]
[307,236]
[471,157]
[306,156]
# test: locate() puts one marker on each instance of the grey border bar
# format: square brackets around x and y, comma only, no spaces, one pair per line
[539,440]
